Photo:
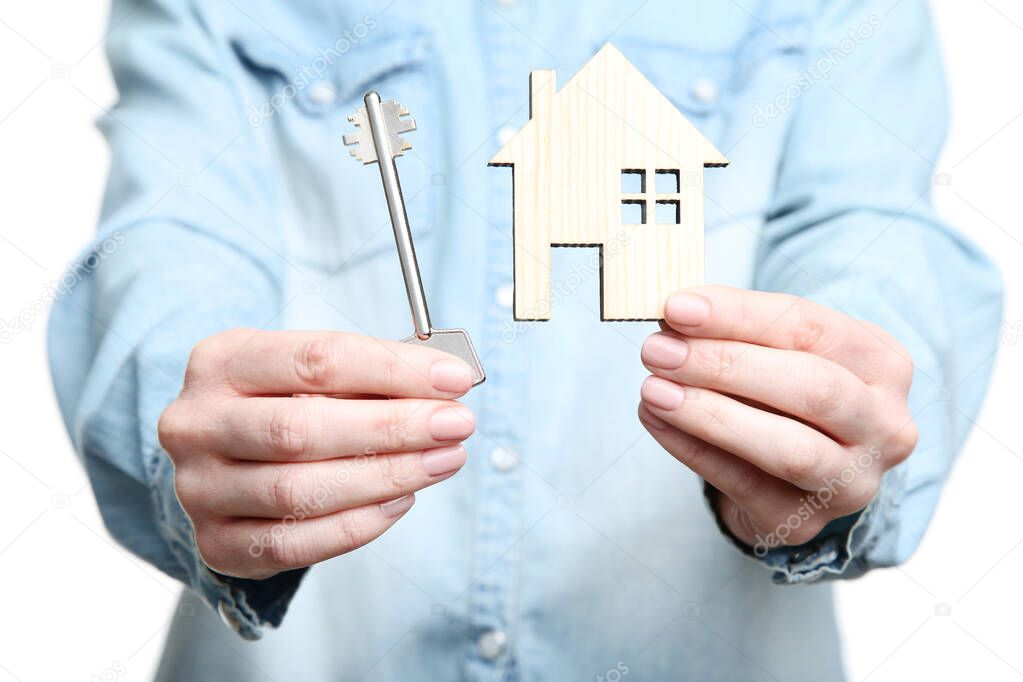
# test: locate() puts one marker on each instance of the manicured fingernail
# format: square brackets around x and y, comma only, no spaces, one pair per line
[655,423]
[452,423]
[664,350]
[443,460]
[687,310]
[452,376]
[662,393]
[398,507]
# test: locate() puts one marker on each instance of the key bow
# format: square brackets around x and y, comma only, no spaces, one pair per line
[397,120]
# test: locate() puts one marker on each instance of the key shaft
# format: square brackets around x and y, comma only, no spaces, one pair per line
[399,217]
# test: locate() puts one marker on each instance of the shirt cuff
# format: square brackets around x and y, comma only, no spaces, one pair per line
[246,606]
[839,551]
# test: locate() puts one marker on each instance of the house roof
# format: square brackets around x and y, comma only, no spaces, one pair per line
[610,60]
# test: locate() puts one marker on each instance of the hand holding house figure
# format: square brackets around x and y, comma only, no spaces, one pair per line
[608,162]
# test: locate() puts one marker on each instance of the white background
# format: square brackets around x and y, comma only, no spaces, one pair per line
[76,606]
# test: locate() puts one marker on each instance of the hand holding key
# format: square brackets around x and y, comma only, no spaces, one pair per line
[283,453]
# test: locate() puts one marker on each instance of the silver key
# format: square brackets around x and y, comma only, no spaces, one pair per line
[378,139]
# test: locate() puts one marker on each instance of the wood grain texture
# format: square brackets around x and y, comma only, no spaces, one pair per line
[567,187]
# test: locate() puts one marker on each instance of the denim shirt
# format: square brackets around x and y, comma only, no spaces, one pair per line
[571,546]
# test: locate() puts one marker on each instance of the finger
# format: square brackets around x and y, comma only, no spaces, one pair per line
[768,501]
[303,429]
[786,322]
[310,489]
[780,446]
[806,386]
[258,548]
[287,362]
[759,493]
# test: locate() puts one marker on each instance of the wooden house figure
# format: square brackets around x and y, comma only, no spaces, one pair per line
[608,162]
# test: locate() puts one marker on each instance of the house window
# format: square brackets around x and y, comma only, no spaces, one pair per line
[633,212]
[633,181]
[668,212]
[658,201]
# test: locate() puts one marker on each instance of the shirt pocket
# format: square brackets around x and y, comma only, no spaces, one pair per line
[332,207]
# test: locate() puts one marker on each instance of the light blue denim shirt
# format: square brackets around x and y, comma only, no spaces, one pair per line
[571,546]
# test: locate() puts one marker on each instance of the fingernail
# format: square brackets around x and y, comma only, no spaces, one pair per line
[451,376]
[398,507]
[452,423]
[443,460]
[687,310]
[664,350]
[653,422]
[662,393]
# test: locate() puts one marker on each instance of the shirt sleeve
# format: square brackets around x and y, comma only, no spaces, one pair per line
[853,227]
[188,245]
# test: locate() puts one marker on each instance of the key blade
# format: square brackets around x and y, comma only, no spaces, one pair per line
[454,342]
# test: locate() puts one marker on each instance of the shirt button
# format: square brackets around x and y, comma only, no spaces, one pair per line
[705,90]
[505,295]
[322,93]
[228,617]
[492,644]
[505,134]
[503,459]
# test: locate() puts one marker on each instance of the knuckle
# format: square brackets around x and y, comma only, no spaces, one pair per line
[172,428]
[209,357]
[205,350]
[284,551]
[205,358]
[287,431]
[393,428]
[713,358]
[895,363]
[811,328]
[186,489]
[352,531]
[800,464]
[395,475]
[825,397]
[211,542]
[314,361]
[391,370]
[283,494]
[694,451]
[745,483]
[904,442]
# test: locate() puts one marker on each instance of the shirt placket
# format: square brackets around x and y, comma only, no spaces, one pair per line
[498,525]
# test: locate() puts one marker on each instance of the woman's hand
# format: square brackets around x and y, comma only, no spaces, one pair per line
[793,411]
[285,454]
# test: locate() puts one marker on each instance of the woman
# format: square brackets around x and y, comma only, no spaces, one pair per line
[808,397]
